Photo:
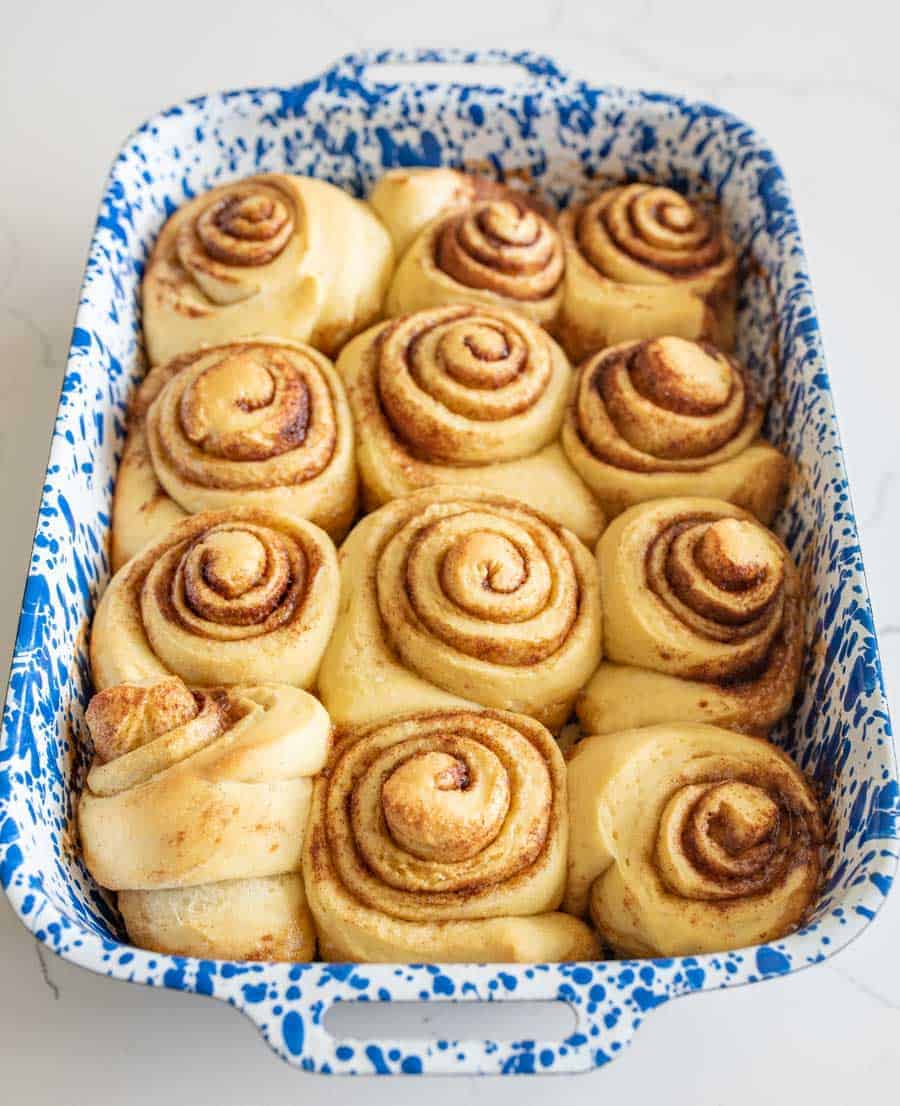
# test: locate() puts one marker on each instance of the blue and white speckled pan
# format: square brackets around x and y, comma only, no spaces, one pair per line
[347,126]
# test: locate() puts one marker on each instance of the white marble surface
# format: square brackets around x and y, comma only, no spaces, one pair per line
[819,79]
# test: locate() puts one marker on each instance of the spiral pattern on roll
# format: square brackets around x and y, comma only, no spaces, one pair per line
[465,394]
[649,229]
[502,246]
[643,261]
[243,225]
[262,423]
[723,580]
[498,251]
[703,617]
[225,597]
[249,225]
[470,594]
[665,405]
[494,585]
[719,840]
[722,846]
[438,824]
[469,385]
[275,253]
[407,199]
[255,415]
[233,581]
[442,834]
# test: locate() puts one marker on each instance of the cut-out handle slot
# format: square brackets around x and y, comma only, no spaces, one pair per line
[487,74]
[494,69]
[548,1020]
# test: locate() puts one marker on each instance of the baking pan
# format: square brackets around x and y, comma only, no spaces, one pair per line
[510,115]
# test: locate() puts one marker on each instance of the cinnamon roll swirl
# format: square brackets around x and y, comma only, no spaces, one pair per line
[442,836]
[458,597]
[406,200]
[195,809]
[465,395]
[667,417]
[258,423]
[225,597]
[703,620]
[688,839]
[496,251]
[272,254]
[642,261]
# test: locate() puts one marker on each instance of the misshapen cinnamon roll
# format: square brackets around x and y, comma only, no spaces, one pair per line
[666,416]
[225,597]
[442,836]
[195,810]
[689,839]
[642,261]
[257,423]
[458,597]
[272,254]
[703,620]
[496,250]
[465,395]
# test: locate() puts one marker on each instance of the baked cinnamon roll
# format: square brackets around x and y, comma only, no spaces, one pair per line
[465,395]
[688,839]
[406,200]
[255,423]
[195,809]
[667,417]
[702,620]
[643,261]
[492,247]
[226,597]
[272,254]
[454,597]
[442,837]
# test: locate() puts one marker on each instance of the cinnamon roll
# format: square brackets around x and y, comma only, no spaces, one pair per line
[666,417]
[442,837]
[406,200]
[225,597]
[457,597]
[703,620]
[642,261]
[258,423]
[688,839]
[195,809]
[465,395]
[496,251]
[272,254]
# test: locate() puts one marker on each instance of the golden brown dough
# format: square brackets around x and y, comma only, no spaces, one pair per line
[406,200]
[688,839]
[465,395]
[667,417]
[643,261]
[195,809]
[272,254]
[256,423]
[492,246]
[240,919]
[457,597]
[442,837]
[703,620]
[225,597]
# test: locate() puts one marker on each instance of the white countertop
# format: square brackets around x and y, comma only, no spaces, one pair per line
[819,79]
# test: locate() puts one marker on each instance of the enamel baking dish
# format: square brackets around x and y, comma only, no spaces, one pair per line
[505,114]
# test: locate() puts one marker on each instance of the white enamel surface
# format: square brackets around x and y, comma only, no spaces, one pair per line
[819,82]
